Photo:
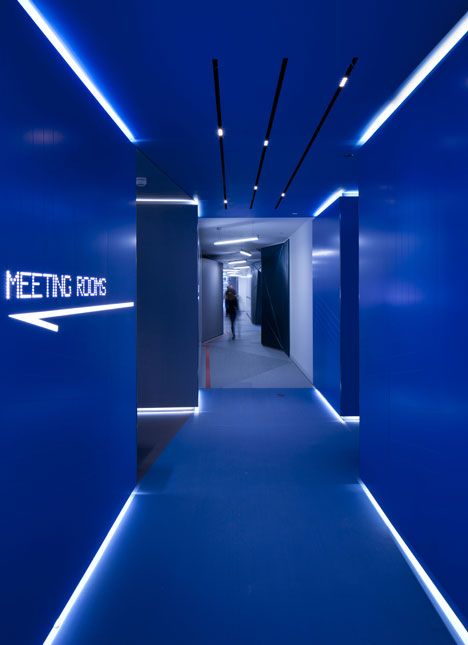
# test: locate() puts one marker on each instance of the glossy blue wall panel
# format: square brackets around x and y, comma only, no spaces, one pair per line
[168,341]
[349,340]
[67,399]
[275,296]
[326,309]
[414,321]
[336,309]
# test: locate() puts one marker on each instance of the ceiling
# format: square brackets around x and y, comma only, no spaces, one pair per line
[153,62]
[269,231]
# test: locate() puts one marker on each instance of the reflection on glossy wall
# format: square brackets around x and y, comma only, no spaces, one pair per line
[67,398]
[414,321]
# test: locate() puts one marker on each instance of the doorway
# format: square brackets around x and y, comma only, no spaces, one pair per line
[255,259]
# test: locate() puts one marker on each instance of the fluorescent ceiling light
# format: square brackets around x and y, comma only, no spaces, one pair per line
[246,253]
[165,200]
[417,77]
[71,61]
[447,614]
[238,262]
[332,199]
[88,573]
[237,241]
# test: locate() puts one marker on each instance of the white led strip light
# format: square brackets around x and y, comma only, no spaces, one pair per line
[328,406]
[150,411]
[166,200]
[71,61]
[88,573]
[447,614]
[417,77]
[236,241]
[341,192]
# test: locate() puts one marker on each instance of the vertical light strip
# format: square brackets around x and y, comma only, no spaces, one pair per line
[88,573]
[417,77]
[447,614]
[71,61]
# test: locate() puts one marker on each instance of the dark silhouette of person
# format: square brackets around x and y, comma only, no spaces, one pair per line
[232,307]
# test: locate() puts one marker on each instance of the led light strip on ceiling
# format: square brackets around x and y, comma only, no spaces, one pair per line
[220,130]
[417,77]
[338,91]
[332,199]
[266,139]
[71,61]
[237,241]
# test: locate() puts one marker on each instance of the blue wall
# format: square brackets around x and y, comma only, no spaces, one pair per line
[414,322]
[67,399]
[335,280]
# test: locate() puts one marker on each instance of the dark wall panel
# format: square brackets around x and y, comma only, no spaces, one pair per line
[167,305]
[67,398]
[256,301]
[414,321]
[211,299]
[275,296]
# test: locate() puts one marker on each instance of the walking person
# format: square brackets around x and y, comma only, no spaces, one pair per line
[232,307]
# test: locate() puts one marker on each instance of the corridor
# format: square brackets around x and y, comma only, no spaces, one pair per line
[251,528]
[245,362]
[298,168]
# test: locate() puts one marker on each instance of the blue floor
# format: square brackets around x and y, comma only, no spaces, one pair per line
[250,529]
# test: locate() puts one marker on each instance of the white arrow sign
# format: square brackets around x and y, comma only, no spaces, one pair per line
[37,317]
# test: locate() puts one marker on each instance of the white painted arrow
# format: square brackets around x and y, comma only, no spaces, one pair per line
[37,317]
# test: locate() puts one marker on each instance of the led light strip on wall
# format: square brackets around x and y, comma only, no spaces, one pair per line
[447,614]
[417,77]
[71,61]
[149,411]
[328,405]
[89,571]
[332,199]
[166,200]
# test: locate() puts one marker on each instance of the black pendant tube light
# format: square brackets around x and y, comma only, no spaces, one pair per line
[338,91]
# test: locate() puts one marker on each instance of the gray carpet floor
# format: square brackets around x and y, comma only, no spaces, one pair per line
[245,362]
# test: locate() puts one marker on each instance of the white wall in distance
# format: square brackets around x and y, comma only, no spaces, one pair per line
[300,298]
[245,288]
